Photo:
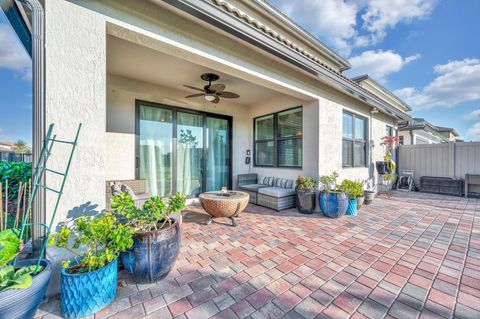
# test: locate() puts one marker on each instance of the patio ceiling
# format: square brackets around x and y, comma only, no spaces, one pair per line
[134,61]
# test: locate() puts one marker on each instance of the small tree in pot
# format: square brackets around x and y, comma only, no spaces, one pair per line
[89,280]
[157,235]
[333,202]
[305,187]
[388,165]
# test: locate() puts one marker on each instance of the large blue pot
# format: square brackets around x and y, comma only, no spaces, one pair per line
[85,294]
[23,303]
[153,254]
[333,205]
[352,207]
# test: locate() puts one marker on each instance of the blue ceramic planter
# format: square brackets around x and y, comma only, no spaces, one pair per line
[23,303]
[85,294]
[153,253]
[333,205]
[352,207]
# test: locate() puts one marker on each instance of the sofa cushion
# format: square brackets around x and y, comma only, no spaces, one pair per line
[265,180]
[283,183]
[277,191]
[252,187]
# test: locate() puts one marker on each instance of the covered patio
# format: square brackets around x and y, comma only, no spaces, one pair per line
[411,256]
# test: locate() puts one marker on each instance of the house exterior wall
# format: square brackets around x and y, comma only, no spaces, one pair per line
[420,137]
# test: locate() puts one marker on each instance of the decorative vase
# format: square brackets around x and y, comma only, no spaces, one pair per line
[154,253]
[306,201]
[369,196]
[86,293]
[383,167]
[360,201]
[333,205]
[352,207]
[23,303]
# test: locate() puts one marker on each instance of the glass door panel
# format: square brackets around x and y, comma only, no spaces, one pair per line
[217,154]
[190,143]
[156,145]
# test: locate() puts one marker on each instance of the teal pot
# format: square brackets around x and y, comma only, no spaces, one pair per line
[82,295]
[333,204]
[153,254]
[352,207]
[369,196]
[360,201]
[23,303]
[306,202]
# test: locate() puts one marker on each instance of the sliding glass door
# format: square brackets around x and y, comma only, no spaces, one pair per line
[182,150]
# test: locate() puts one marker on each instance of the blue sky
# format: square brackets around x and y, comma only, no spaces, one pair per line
[425,51]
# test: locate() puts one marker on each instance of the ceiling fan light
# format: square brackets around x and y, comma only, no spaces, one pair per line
[210,97]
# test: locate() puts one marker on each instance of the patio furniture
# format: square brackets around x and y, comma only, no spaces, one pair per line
[228,204]
[471,180]
[272,192]
[138,186]
[442,185]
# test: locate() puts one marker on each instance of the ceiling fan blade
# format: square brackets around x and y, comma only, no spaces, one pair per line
[217,88]
[194,95]
[217,99]
[228,95]
[192,87]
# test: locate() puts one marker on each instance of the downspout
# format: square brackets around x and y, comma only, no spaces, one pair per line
[38,116]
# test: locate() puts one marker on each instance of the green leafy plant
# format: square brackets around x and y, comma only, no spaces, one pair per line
[329,182]
[97,241]
[305,184]
[14,172]
[9,249]
[154,215]
[353,189]
[389,177]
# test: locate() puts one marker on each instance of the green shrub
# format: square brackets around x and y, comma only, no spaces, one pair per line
[305,184]
[14,172]
[353,189]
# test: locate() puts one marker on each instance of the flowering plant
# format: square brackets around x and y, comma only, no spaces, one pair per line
[305,184]
[390,142]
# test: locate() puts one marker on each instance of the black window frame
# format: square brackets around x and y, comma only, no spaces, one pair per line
[276,139]
[391,129]
[354,141]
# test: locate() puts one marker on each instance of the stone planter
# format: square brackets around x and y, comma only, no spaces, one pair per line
[86,293]
[23,303]
[360,201]
[153,254]
[369,196]
[306,202]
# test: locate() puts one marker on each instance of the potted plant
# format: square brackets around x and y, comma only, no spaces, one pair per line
[157,235]
[89,280]
[389,180]
[353,191]
[305,187]
[361,192]
[23,285]
[388,165]
[369,196]
[333,202]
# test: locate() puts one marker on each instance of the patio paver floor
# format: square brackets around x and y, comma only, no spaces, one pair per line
[411,256]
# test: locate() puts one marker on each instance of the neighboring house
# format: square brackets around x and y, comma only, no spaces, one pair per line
[7,153]
[420,131]
[119,67]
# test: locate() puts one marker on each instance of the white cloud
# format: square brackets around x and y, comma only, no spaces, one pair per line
[346,24]
[379,64]
[381,15]
[12,54]
[473,132]
[473,116]
[455,82]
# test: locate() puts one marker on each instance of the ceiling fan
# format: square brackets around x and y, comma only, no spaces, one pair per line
[212,92]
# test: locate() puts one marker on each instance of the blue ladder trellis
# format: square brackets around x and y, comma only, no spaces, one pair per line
[40,169]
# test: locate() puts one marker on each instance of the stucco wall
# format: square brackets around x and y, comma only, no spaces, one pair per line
[75,93]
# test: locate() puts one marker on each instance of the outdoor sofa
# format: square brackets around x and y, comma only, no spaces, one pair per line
[137,188]
[272,192]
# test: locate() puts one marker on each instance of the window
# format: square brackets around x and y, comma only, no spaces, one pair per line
[278,139]
[389,131]
[354,140]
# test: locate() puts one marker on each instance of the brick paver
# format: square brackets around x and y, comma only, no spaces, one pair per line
[410,256]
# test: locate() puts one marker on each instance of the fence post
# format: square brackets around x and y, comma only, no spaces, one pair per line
[451,159]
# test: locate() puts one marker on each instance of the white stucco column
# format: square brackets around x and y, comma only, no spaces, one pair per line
[75,93]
